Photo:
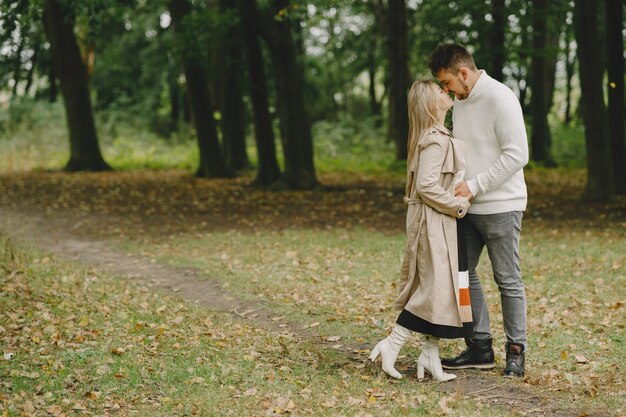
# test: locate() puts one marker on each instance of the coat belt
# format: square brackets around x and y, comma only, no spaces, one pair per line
[412,201]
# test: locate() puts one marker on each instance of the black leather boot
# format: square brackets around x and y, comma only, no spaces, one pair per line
[515,360]
[478,355]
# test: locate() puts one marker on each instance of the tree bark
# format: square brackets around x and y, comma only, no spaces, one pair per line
[212,164]
[294,125]
[570,62]
[398,76]
[84,149]
[231,93]
[268,171]
[615,67]
[498,54]
[542,80]
[600,182]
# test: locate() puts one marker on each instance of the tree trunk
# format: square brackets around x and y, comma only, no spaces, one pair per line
[212,164]
[17,65]
[31,71]
[600,182]
[615,67]
[175,98]
[542,76]
[294,126]
[52,80]
[84,150]
[375,107]
[231,94]
[498,54]
[570,61]
[268,171]
[398,76]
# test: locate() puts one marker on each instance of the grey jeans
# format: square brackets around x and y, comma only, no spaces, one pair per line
[500,233]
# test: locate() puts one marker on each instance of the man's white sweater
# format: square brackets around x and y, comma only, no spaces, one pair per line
[490,123]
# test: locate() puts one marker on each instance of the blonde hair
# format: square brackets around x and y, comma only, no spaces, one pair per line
[423,112]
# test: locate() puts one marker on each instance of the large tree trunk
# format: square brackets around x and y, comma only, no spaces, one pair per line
[614,13]
[498,54]
[231,94]
[542,79]
[600,181]
[212,164]
[294,125]
[84,150]
[268,171]
[398,76]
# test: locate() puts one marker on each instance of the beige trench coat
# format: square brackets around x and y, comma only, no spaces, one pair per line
[429,286]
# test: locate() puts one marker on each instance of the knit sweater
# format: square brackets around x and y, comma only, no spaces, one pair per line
[490,122]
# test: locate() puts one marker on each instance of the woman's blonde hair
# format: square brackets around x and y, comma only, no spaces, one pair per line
[423,108]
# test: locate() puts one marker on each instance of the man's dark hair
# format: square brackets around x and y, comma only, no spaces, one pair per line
[450,57]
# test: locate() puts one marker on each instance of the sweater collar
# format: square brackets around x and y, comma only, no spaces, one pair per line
[481,85]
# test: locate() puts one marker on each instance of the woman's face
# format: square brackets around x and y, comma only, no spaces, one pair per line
[444,100]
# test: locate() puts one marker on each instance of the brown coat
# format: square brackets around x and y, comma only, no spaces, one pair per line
[429,286]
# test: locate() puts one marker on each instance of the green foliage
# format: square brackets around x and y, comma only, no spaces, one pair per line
[352,145]
[33,135]
[568,145]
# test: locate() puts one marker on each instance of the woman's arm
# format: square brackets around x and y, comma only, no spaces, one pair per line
[431,158]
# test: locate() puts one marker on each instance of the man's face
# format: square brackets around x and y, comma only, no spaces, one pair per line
[454,83]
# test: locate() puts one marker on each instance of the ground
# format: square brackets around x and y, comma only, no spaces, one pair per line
[83,217]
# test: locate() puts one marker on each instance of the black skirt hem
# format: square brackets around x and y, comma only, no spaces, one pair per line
[417,324]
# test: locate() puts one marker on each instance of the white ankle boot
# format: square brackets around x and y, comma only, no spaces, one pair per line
[389,348]
[429,360]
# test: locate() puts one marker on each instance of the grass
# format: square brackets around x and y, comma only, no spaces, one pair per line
[344,281]
[80,343]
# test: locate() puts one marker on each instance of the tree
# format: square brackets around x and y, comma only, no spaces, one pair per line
[497,37]
[268,171]
[600,182]
[543,67]
[231,94]
[212,164]
[614,13]
[398,73]
[84,149]
[275,27]
[570,63]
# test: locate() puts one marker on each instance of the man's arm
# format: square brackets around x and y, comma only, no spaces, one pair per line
[511,135]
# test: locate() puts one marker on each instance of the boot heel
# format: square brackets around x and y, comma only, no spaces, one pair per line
[374,354]
[420,372]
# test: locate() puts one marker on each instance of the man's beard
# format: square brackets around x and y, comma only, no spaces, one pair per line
[463,95]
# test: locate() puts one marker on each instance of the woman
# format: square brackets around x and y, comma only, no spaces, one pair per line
[434,295]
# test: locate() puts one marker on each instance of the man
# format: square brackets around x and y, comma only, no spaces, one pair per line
[488,118]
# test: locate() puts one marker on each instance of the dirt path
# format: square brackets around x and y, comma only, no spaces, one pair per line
[59,235]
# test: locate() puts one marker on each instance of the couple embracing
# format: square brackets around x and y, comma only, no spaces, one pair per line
[464,192]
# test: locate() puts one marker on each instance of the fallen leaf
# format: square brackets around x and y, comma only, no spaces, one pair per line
[118,351]
[581,359]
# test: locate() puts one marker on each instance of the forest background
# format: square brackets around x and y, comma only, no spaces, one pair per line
[247,158]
